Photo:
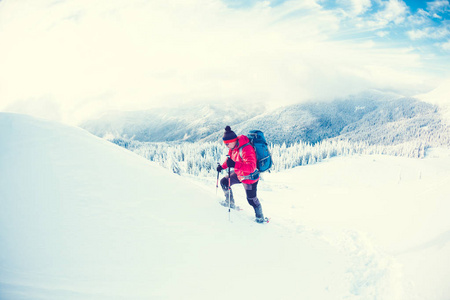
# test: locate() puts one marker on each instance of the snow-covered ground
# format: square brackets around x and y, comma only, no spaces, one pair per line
[81,218]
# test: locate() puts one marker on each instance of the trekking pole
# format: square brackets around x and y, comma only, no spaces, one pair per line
[229,193]
[217,183]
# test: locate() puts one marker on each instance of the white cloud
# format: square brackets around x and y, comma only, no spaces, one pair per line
[438,6]
[382,33]
[82,57]
[394,11]
[429,33]
[425,22]
[354,8]
[446,46]
[419,18]
[417,34]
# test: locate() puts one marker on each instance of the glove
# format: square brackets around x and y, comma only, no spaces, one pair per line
[230,163]
[219,168]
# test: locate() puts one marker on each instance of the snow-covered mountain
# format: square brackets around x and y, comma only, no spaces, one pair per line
[81,218]
[440,96]
[373,117]
[189,122]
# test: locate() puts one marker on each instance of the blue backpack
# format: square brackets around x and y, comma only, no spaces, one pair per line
[259,143]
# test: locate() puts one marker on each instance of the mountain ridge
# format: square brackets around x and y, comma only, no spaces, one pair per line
[366,117]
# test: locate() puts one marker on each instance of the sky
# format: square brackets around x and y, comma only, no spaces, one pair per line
[74,60]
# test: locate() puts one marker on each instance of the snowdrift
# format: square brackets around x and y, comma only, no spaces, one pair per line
[81,218]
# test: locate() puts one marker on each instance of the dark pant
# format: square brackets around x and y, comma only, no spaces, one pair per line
[250,189]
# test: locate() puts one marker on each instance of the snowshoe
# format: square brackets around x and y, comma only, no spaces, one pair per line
[233,206]
[262,220]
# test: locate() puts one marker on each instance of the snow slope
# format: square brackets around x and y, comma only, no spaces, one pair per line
[81,218]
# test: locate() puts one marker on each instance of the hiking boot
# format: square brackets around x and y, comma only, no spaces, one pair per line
[227,204]
[259,217]
[228,198]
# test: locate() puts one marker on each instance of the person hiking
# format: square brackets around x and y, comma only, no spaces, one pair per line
[242,158]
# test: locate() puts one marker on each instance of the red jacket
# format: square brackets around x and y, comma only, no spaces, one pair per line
[246,164]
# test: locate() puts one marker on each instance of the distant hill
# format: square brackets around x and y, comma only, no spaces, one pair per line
[185,123]
[373,117]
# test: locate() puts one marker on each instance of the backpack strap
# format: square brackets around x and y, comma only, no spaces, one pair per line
[240,149]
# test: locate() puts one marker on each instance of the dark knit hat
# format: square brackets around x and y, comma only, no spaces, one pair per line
[229,136]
